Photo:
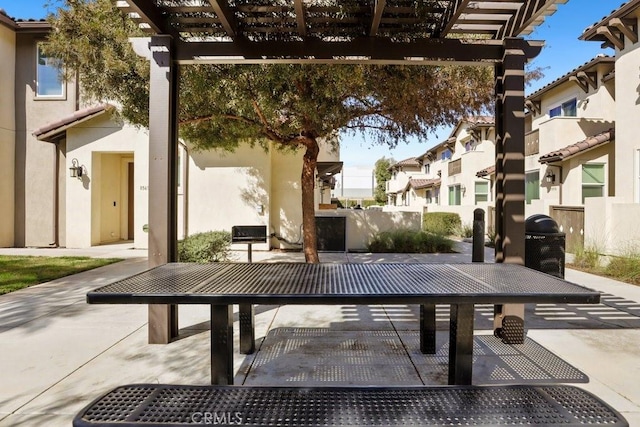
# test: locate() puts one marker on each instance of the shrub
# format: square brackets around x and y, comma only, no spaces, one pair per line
[409,241]
[465,230]
[491,237]
[445,223]
[211,246]
[588,257]
[626,268]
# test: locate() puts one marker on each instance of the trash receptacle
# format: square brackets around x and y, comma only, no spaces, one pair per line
[544,245]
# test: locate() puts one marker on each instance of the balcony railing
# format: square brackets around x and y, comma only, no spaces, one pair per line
[532,143]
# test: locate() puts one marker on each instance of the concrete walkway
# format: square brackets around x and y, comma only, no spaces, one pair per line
[57,353]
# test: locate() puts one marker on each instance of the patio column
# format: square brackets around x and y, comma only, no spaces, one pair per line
[163,152]
[510,173]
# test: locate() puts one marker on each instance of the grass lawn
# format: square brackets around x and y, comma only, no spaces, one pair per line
[17,272]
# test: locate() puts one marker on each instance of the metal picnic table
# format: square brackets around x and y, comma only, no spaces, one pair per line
[221,285]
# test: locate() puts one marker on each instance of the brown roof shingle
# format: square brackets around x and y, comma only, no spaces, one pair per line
[578,147]
[419,183]
[52,131]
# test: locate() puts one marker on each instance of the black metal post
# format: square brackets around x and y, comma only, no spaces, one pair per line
[478,236]
[221,344]
[246,316]
[428,328]
[461,344]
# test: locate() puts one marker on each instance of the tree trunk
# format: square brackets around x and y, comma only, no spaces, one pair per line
[307,181]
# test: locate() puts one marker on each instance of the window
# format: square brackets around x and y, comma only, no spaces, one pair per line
[482,191]
[471,145]
[567,109]
[427,168]
[436,192]
[455,198]
[532,186]
[49,83]
[429,197]
[592,180]
[446,155]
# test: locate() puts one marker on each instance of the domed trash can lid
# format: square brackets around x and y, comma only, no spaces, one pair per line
[543,224]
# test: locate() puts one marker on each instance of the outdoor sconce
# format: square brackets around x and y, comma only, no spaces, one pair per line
[550,177]
[75,171]
[463,189]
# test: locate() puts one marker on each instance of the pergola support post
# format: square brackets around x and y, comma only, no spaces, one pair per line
[163,152]
[510,175]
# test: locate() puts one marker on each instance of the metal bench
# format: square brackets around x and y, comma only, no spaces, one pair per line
[181,405]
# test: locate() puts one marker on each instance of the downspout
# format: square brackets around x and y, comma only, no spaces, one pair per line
[56,196]
[185,190]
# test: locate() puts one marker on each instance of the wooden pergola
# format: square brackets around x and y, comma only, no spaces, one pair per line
[420,32]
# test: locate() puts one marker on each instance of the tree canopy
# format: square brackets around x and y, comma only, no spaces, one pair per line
[293,106]
[383,174]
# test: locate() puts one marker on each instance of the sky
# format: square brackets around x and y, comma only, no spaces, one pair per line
[562,53]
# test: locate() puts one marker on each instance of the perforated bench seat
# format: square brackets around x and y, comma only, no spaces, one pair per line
[180,405]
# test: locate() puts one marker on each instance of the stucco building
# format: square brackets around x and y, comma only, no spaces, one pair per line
[76,175]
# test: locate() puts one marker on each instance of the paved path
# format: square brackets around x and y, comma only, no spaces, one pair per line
[57,353]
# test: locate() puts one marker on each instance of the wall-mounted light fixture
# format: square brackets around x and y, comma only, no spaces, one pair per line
[76,170]
[550,177]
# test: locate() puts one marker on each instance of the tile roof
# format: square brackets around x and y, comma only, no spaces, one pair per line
[423,183]
[411,162]
[490,170]
[590,33]
[600,58]
[578,147]
[53,131]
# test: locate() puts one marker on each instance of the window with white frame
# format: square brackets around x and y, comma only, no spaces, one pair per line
[481,191]
[532,186]
[455,195]
[427,168]
[446,155]
[592,180]
[436,192]
[566,109]
[49,83]
[429,196]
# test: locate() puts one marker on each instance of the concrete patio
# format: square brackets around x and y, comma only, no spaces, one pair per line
[58,353]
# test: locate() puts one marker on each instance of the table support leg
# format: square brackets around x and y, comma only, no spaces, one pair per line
[461,344]
[247,328]
[428,328]
[508,323]
[221,344]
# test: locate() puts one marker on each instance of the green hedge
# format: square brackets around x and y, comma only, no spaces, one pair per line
[211,246]
[445,223]
[410,241]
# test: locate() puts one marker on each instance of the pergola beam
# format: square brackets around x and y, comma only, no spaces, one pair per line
[452,18]
[377,17]
[363,51]
[149,14]
[300,18]
[225,15]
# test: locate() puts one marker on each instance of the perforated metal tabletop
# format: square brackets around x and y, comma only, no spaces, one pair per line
[299,283]
[221,285]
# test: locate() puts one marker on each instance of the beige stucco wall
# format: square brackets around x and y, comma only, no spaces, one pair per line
[610,226]
[7,135]
[105,147]
[35,161]
[627,113]
[227,189]
[364,224]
